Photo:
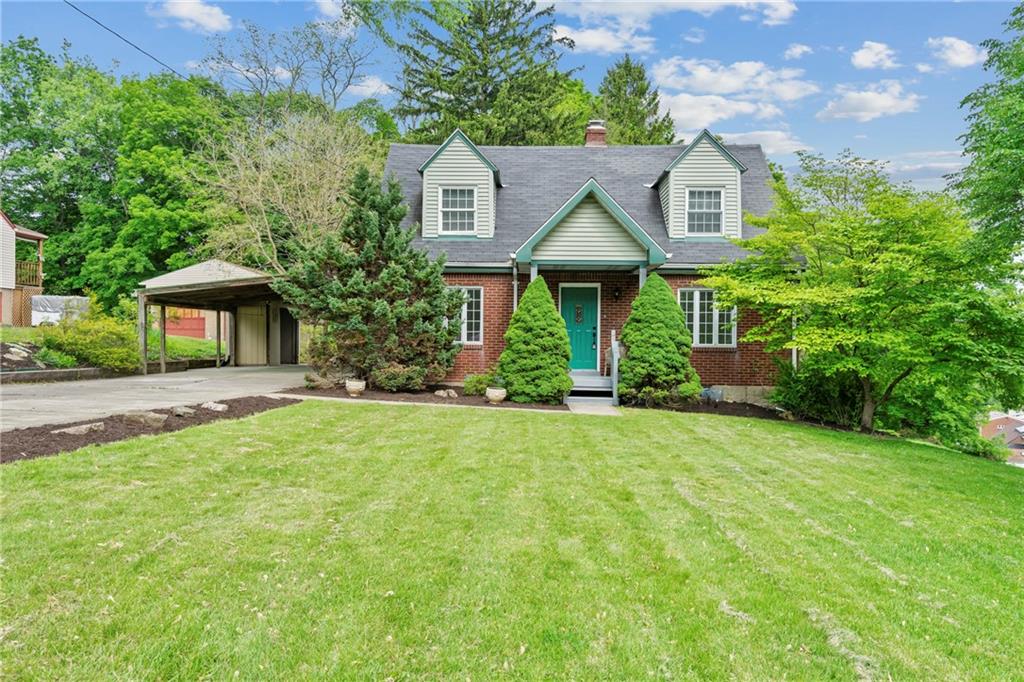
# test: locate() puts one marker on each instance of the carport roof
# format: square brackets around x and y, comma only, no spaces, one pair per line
[212,285]
[210,271]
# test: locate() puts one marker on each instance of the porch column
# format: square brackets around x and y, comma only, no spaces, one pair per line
[143,329]
[163,339]
[533,271]
[643,275]
[39,262]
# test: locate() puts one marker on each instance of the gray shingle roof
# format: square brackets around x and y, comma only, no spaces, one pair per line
[538,180]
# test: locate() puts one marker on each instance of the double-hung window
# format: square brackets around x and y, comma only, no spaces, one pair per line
[458,210]
[472,318]
[710,325]
[704,211]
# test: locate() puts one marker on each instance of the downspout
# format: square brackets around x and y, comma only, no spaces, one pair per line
[515,283]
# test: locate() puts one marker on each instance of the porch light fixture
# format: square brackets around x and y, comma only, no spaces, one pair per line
[616,293]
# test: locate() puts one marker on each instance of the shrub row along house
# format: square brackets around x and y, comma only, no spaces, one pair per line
[593,221]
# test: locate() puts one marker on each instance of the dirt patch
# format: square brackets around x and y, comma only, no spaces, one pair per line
[425,397]
[16,357]
[730,409]
[40,441]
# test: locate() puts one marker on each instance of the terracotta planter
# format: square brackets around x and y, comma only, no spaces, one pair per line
[495,395]
[355,387]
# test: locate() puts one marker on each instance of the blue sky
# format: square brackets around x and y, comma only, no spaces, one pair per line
[883,79]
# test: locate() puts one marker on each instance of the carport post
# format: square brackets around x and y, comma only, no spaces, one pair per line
[218,338]
[233,336]
[163,339]
[143,328]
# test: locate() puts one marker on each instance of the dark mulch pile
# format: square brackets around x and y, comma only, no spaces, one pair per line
[39,441]
[425,397]
[730,409]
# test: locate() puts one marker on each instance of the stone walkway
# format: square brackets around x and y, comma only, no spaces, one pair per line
[23,405]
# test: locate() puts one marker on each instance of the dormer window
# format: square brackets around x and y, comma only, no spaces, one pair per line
[458,210]
[704,211]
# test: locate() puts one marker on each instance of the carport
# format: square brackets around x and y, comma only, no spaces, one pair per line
[260,329]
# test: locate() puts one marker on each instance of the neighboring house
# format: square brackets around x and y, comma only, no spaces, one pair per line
[1007,428]
[19,280]
[592,220]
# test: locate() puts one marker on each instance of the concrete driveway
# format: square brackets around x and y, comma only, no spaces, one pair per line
[60,402]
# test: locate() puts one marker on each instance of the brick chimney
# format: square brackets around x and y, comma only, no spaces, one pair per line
[595,134]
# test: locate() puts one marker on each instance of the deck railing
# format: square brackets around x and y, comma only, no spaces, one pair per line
[616,352]
[28,273]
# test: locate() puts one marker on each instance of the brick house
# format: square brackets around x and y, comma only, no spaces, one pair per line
[593,220]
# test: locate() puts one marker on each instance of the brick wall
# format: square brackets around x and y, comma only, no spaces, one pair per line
[745,365]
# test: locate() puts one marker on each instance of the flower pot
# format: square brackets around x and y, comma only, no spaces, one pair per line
[355,387]
[495,395]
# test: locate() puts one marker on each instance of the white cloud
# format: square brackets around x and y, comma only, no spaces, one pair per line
[331,9]
[885,98]
[605,40]
[694,112]
[860,136]
[956,53]
[772,141]
[796,51]
[874,55]
[369,86]
[926,169]
[192,15]
[694,35]
[924,68]
[771,12]
[748,80]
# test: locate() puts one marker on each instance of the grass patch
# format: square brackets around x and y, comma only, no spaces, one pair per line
[183,347]
[352,541]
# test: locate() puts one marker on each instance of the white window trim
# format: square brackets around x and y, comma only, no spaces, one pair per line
[686,211]
[465,305]
[715,321]
[440,211]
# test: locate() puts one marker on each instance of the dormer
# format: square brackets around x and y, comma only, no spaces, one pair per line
[700,191]
[459,191]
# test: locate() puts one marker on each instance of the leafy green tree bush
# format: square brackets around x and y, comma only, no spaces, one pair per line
[811,393]
[382,305]
[95,340]
[656,368]
[477,384]
[881,282]
[535,362]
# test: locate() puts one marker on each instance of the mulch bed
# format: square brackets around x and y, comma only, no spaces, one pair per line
[40,441]
[730,409]
[425,397]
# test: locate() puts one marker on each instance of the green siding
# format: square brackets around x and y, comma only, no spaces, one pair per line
[589,232]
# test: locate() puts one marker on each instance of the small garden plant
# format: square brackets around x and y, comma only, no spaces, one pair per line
[656,368]
[535,362]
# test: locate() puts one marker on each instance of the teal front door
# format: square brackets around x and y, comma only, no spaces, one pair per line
[579,310]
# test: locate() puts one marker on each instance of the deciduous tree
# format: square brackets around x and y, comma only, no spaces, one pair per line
[877,281]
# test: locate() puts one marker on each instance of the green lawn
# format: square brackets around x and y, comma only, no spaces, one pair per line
[355,541]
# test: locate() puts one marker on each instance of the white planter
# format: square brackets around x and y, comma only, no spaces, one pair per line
[495,395]
[355,387]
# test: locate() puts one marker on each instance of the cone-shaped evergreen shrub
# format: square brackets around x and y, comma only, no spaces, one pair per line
[535,362]
[656,368]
